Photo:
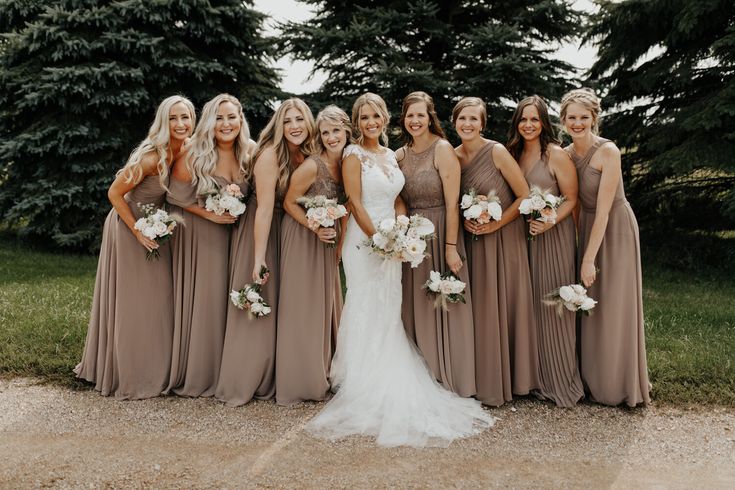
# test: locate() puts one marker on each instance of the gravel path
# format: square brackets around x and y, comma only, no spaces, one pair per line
[53,437]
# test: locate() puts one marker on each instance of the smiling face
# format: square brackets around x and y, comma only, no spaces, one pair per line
[333,136]
[417,119]
[294,127]
[469,123]
[370,122]
[529,125]
[578,121]
[227,122]
[179,121]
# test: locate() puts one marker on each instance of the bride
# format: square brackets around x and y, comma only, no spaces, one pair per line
[384,388]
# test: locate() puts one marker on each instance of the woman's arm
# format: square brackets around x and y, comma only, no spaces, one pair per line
[608,158]
[116,195]
[301,179]
[514,177]
[266,180]
[447,164]
[352,180]
[179,171]
[565,172]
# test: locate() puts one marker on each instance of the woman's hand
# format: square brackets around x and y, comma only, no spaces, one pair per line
[149,244]
[588,273]
[259,264]
[454,261]
[220,219]
[481,229]
[537,227]
[327,235]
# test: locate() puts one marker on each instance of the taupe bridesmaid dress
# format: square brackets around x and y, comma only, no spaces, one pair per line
[506,352]
[613,343]
[552,259]
[445,338]
[248,359]
[309,304]
[127,353]
[200,257]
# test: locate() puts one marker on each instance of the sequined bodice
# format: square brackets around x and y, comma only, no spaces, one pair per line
[423,188]
[324,184]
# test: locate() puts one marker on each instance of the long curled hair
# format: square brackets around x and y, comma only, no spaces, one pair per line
[585,97]
[515,140]
[157,141]
[435,125]
[332,115]
[378,104]
[203,156]
[272,135]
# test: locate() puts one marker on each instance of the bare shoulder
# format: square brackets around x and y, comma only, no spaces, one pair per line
[501,155]
[444,147]
[609,150]
[307,168]
[400,154]
[558,156]
[149,163]
[268,158]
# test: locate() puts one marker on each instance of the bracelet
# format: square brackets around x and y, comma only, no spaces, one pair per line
[453,244]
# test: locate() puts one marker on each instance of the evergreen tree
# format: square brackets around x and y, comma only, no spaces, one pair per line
[667,68]
[498,50]
[80,82]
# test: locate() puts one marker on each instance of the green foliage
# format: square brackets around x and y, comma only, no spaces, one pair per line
[497,50]
[79,84]
[667,68]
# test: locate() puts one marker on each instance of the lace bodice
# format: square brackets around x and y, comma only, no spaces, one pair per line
[382,181]
[423,187]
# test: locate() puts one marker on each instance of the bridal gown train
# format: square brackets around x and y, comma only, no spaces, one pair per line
[384,387]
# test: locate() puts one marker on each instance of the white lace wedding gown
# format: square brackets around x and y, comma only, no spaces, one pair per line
[384,388]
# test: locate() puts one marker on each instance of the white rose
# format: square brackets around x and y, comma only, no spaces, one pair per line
[473,212]
[525,207]
[587,304]
[495,211]
[402,220]
[265,310]
[537,203]
[253,296]
[341,211]
[237,208]
[140,224]
[457,286]
[466,201]
[578,289]
[566,293]
[318,214]
[160,229]
[434,280]
[256,307]
[212,204]
[160,214]
[446,287]
[149,232]
[387,225]
[235,297]
[551,199]
[380,240]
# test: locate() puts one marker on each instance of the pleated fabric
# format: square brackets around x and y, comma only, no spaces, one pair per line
[200,256]
[445,338]
[506,350]
[613,343]
[127,352]
[552,260]
[248,363]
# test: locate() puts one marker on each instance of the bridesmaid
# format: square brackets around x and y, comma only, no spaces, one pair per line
[248,359]
[613,344]
[506,358]
[552,252]
[306,322]
[216,157]
[127,353]
[432,172]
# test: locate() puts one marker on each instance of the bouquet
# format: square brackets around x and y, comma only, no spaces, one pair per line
[249,298]
[573,298]
[445,288]
[541,205]
[157,225]
[402,239]
[227,199]
[481,208]
[322,212]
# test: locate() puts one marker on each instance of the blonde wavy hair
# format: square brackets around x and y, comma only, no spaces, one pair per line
[378,104]
[331,115]
[157,141]
[272,135]
[585,97]
[202,159]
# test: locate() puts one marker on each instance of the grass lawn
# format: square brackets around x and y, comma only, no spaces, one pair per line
[690,324]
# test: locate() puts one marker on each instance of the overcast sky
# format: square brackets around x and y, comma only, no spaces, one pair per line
[295,73]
